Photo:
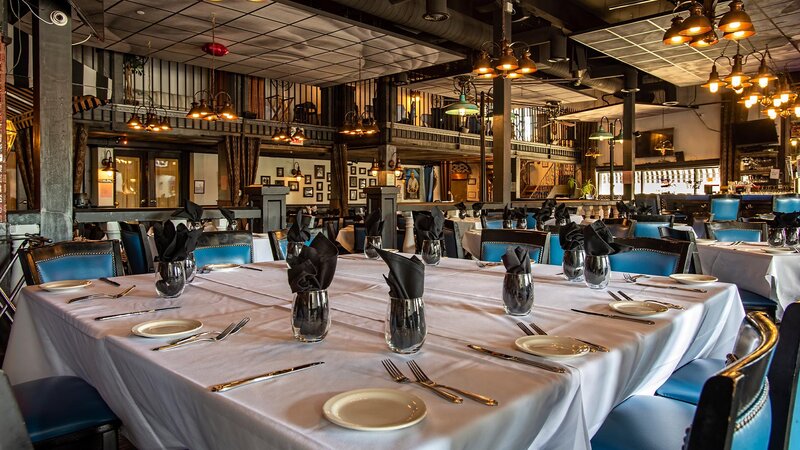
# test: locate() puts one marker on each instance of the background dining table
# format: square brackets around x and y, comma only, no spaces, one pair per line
[163,397]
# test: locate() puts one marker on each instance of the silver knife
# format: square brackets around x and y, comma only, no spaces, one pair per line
[251,268]
[266,376]
[614,316]
[135,313]
[109,281]
[664,286]
[517,359]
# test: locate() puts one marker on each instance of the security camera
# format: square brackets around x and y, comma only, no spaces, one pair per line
[59,18]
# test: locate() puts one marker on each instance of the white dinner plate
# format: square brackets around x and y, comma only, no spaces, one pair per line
[693,278]
[222,267]
[65,285]
[637,308]
[777,250]
[375,409]
[706,241]
[166,328]
[557,347]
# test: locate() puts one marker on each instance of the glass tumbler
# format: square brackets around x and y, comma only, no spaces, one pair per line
[517,294]
[170,278]
[405,327]
[431,252]
[311,316]
[370,244]
[597,271]
[572,264]
[776,237]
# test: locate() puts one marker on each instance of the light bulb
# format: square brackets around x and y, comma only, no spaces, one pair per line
[763,82]
[734,25]
[797,111]
[506,66]
[785,97]
[748,103]
[772,113]
[462,112]
[693,31]
[677,39]
[776,102]
[738,34]
[753,99]
[483,69]
[736,80]
[486,75]
[713,87]
[738,90]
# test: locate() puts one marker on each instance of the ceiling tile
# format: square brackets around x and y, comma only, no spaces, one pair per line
[124,23]
[204,10]
[282,13]
[255,24]
[234,34]
[268,42]
[294,34]
[157,32]
[335,57]
[357,34]
[247,7]
[328,42]
[322,24]
[128,9]
[169,5]
[187,23]
[246,49]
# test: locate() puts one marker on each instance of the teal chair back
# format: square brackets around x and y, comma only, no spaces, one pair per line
[494,243]
[788,203]
[556,252]
[137,247]
[531,221]
[648,225]
[495,224]
[732,235]
[737,231]
[725,207]
[652,257]
[72,260]
[224,247]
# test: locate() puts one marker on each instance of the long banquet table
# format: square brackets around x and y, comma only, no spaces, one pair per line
[164,401]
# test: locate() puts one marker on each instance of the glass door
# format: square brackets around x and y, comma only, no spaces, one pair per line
[145,178]
[128,182]
[167,182]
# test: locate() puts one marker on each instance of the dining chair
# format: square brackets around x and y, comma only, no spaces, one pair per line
[725,207]
[786,203]
[670,233]
[686,383]
[620,227]
[556,253]
[530,221]
[494,243]
[652,256]
[737,231]
[494,224]
[359,235]
[452,244]
[277,243]
[647,225]
[137,247]
[72,260]
[224,247]
[653,201]
[55,412]
[733,411]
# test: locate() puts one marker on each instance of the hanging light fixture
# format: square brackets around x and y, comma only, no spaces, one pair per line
[697,23]
[507,64]
[149,119]
[601,134]
[704,40]
[592,152]
[764,76]
[358,124]
[737,78]
[714,82]
[375,168]
[213,105]
[108,164]
[483,65]
[735,19]
[462,85]
[672,36]
[298,135]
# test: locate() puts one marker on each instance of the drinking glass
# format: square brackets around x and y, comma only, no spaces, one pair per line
[170,278]
[572,264]
[792,236]
[522,224]
[517,294]
[190,267]
[370,244]
[508,224]
[311,317]
[405,328]
[597,271]
[293,250]
[431,252]
[776,237]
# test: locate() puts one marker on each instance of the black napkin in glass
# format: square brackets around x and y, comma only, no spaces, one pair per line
[229,216]
[430,226]
[784,220]
[598,240]
[477,206]
[314,268]
[461,206]
[521,213]
[374,223]
[561,214]
[508,212]
[174,244]
[298,232]
[623,209]
[517,260]
[542,214]
[570,236]
[191,211]
[406,278]
[644,210]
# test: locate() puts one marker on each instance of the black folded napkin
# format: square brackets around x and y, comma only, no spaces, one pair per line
[520,213]
[477,206]
[784,220]
[549,203]
[517,260]
[191,211]
[542,214]
[374,223]
[298,232]
[313,269]
[624,209]
[570,236]
[174,244]
[598,240]
[461,206]
[508,212]
[561,214]
[229,216]
[430,226]
[406,278]
[644,210]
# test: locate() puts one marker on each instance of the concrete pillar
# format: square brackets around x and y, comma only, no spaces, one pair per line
[385,198]
[501,125]
[272,201]
[628,127]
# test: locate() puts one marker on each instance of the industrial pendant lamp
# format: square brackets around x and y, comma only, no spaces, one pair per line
[704,40]
[697,23]
[714,82]
[215,105]
[735,19]
[764,76]
[672,36]
[737,78]
[601,134]
[462,107]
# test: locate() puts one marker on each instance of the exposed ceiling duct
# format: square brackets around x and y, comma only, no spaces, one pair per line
[436,10]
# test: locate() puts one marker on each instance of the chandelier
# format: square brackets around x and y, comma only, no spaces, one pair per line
[213,105]
[698,29]
[288,134]
[510,63]
[462,86]
[355,123]
[149,119]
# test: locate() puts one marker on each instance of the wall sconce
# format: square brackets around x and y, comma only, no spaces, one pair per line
[393,164]
[108,165]
[296,172]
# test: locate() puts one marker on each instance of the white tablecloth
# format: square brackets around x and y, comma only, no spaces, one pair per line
[772,276]
[163,398]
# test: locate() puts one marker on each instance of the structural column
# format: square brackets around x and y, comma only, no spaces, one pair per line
[628,127]
[385,198]
[501,124]
[272,201]
[52,120]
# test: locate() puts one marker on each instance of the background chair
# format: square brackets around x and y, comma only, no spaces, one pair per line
[647,225]
[652,256]
[620,227]
[725,207]
[359,235]
[684,235]
[58,412]
[452,244]
[137,247]
[733,412]
[652,201]
[72,260]
[494,243]
[556,253]
[277,243]
[224,247]
[786,203]
[737,231]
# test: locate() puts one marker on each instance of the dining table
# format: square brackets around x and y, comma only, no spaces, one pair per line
[164,401]
[753,267]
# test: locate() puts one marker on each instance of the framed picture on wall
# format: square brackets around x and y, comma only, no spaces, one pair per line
[308,179]
[472,195]
[319,172]
[294,186]
[353,181]
[473,181]
[412,184]
[266,181]
[279,171]
[362,195]
[320,185]
[200,186]
[353,170]
[328,177]
[308,192]
[362,170]
[278,183]
[373,182]
[319,196]
[353,194]
[263,180]
[362,182]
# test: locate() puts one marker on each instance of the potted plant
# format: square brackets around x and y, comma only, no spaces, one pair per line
[586,191]
[131,65]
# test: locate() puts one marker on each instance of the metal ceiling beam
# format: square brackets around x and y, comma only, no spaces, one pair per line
[564,14]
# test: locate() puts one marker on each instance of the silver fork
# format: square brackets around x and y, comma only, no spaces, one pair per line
[398,377]
[632,278]
[483,264]
[92,296]
[221,336]
[194,337]
[421,377]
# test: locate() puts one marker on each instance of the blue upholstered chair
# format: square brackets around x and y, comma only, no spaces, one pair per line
[733,412]
[58,412]
[494,243]
[652,256]
[556,252]
[137,247]
[620,227]
[725,207]
[737,231]
[670,233]
[647,226]
[494,224]
[72,260]
[786,203]
[224,247]
[530,221]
